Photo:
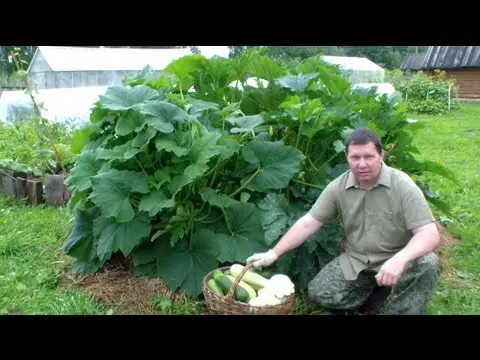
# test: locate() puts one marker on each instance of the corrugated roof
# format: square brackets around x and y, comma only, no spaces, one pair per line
[413,62]
[353,63]
[64,58]
[444,57]
[448,57]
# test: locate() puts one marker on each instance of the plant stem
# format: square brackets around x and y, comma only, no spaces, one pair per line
[139,164]
[245,184]
[37,111]
[226,221]
[308,184]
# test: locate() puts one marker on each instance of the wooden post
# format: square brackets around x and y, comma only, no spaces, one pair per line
[34,190]
[54,190]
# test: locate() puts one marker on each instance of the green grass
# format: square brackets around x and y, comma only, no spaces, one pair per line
[30,266]
[454,141]
[30,238]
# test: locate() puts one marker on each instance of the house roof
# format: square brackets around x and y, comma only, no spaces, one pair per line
[353,63]
[65,58]
[413,62]
[445,57]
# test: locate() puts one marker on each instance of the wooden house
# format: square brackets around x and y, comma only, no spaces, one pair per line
[460,64]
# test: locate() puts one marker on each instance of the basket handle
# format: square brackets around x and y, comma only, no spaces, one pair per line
[231,292]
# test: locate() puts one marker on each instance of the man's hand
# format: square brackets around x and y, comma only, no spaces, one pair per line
[391,271]
[263,259]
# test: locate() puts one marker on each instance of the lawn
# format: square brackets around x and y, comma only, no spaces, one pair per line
[454,140]
[31,267]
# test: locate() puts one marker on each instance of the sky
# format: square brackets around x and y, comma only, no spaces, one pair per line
[209,51]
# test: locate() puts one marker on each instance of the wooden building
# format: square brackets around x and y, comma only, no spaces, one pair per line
[460,63]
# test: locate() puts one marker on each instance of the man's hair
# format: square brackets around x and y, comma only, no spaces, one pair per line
[363,137]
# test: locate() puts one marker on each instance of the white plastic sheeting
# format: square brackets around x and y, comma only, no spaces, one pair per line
[381,88]
[358,69]
[57,105]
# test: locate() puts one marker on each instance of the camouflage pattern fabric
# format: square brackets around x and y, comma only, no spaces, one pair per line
[410,296]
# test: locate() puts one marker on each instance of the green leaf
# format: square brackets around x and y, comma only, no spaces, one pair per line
[87,166]
[128,122]
[245,123]
[143,137]
[121,152]
[204,148]
[273,217]
[227,147]
[113,236]
[185,67]
[164,115]
[80,137]
[125,98]
[80,243]
[185,267]
[296,83]
[215,199]
[112,189]
[155,202]
[275,162]
[171,143]
[246,237]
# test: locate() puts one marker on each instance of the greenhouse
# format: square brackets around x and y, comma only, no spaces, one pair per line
[77,67]
[358,69]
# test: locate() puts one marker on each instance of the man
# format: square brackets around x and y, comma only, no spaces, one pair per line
[389,229]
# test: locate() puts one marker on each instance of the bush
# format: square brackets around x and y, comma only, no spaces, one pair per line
[184,181]
[428,94]
[25,146]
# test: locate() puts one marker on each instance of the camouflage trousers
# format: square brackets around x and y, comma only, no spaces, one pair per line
[410,296]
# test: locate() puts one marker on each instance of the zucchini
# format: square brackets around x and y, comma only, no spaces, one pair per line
[216,272]
[212,285]
[251,292]
[255,280]
[226,283]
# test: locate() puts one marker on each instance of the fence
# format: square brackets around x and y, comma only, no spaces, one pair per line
[49,190]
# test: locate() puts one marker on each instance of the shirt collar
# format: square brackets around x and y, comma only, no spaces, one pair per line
[384,178]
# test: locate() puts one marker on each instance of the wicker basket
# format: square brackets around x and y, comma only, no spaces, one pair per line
[227,305]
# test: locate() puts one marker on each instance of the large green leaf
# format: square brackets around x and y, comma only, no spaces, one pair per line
[273,217]
[87,166]
[112,236]
[164,115]
[244,234]
[296,83]
[155,202]
[129,122]
[112,190]
[80,243]
[185,266]
[245,123]
[124,98]
[275,163]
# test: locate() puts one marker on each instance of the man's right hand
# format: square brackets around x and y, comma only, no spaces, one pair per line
[262,259]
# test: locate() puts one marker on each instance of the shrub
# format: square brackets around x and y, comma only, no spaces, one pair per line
[183,182]
[428,94]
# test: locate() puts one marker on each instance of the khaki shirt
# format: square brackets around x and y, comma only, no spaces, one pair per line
[377,222]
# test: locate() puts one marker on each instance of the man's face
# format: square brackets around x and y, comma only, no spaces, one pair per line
[365,162]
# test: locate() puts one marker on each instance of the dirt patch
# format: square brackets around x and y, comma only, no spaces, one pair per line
[447,242]
[118,289]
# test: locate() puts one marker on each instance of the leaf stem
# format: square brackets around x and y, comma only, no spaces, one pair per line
[308,184]
[226,221]
[245,183]
[140,164]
